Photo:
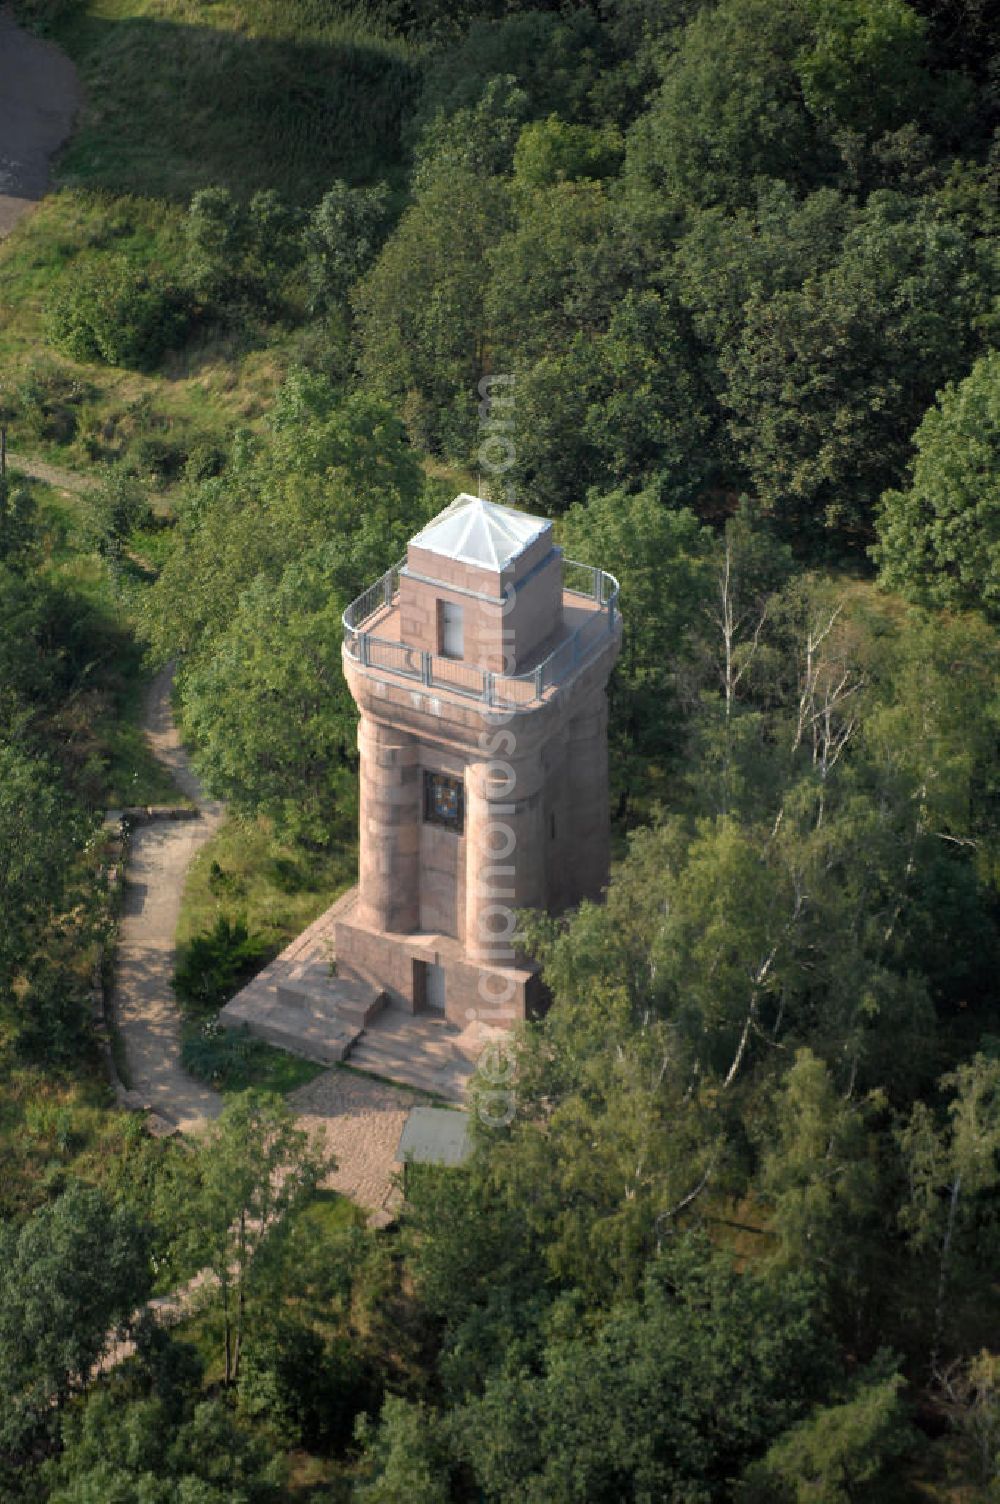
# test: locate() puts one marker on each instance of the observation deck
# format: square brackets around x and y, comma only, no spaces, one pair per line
[375,638]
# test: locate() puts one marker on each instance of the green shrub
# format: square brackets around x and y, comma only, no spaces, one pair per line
[226,1058]
[225,884]
[215,964]
[44,403]
[160,458]
[232,1060]
[554,151]
[205,459]
[115,511]
[273,241]
[19,531]
[109,310]
[54,1018]
[240,252]
[215,237]
[309,1390]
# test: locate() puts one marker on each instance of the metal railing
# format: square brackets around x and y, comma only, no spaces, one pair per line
[378,597]
[499,691]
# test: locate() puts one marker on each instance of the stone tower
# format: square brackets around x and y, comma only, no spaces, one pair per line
[479,665]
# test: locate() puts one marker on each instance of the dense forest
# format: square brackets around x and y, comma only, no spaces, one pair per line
[737,263]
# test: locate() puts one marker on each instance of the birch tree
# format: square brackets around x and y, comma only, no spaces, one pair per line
[252,1171]
[951,1167]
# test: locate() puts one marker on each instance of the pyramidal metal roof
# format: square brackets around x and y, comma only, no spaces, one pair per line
[474,531]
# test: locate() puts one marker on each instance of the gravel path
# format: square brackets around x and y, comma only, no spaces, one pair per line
[39,98]
[52,475]
[145,1008]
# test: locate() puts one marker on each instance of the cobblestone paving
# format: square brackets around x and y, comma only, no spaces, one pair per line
[363,1119]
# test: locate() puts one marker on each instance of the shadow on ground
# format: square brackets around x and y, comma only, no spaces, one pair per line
[172,108]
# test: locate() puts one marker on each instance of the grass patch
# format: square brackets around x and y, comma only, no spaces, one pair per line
[46,1122]
[96,733]
[246,872]
[79,415]
[247,884]
[56,1127]
[134,776]
[115,1037]
[285,94]
[231,1060]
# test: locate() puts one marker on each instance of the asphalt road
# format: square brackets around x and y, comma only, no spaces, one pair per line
[39,98]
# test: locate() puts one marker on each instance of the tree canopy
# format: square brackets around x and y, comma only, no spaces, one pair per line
[939,540]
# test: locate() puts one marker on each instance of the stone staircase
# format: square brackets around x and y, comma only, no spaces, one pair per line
[419,1050]
[298,1003]
[313,985]
[309,1012]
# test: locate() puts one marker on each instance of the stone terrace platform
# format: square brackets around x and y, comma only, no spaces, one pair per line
[299,1005]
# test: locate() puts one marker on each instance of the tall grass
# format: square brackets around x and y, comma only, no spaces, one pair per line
[285,94]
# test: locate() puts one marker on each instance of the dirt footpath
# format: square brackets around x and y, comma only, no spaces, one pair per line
[39,98]
[63,480]
[146,1010]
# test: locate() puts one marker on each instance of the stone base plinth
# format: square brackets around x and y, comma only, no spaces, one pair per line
[315,1033]
[491,995]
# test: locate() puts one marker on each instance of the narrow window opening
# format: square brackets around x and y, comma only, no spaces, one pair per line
[451,630]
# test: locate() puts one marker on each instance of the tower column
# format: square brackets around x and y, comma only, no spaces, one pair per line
[504,852]
[588,849]
[389,879]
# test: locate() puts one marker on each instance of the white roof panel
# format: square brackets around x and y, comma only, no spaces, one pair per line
[479,532]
